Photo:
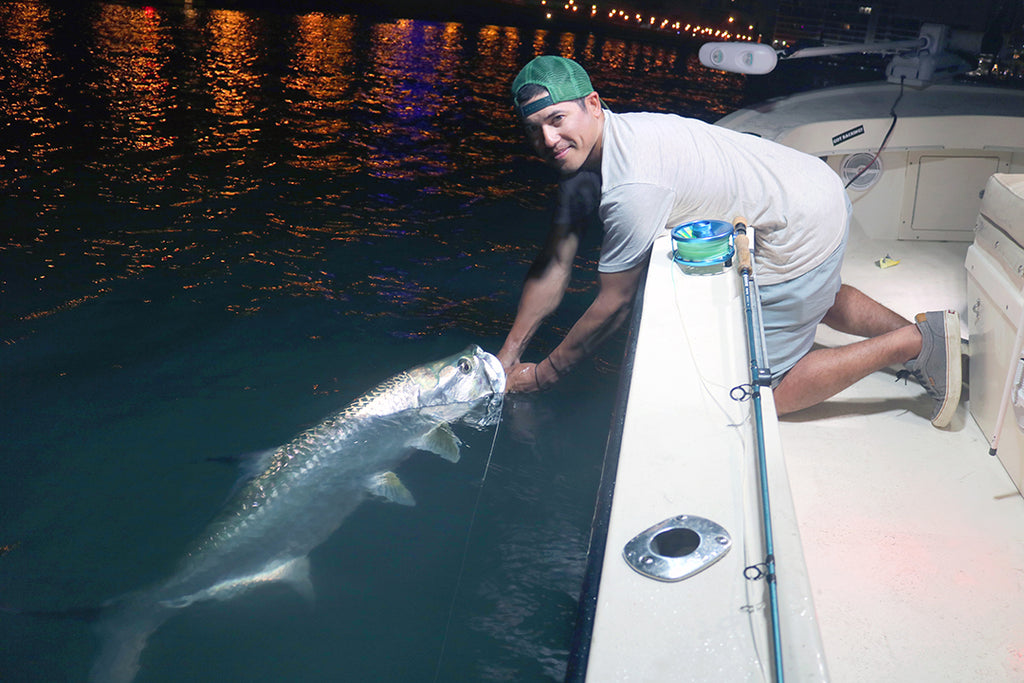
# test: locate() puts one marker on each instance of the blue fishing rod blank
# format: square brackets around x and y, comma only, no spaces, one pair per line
[759,376]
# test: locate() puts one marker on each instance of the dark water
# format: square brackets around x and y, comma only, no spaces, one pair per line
[217,227]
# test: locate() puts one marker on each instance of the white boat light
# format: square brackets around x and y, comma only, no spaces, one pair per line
[743,58]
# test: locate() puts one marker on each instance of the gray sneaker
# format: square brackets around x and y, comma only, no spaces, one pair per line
[937,367]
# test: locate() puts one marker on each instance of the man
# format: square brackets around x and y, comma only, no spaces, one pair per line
[647,172]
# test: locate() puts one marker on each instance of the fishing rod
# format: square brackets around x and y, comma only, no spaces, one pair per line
[760,376]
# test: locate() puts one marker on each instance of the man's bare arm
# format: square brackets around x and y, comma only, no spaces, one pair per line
[545,285]
[609,310]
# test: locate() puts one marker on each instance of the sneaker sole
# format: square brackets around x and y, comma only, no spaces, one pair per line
[951,328]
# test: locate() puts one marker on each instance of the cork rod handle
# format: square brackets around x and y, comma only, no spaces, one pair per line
[743,253]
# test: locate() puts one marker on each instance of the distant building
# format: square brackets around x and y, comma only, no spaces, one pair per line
[856,21]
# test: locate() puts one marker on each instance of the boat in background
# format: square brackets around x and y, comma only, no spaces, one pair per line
[898,546]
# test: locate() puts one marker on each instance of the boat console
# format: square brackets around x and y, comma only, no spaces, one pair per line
[995,319]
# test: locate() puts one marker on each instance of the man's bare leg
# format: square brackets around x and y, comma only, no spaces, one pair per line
[823,373]
[854,312]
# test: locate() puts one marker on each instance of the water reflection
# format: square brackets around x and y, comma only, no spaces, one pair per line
[318,86]
[567,45]
[268,150]
[31,136]
[539,42]
[228,70]
[411,89]
[131,48]
[226,146]
[26,71]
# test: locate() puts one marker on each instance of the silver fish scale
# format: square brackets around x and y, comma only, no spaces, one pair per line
[311,449]
[335,429]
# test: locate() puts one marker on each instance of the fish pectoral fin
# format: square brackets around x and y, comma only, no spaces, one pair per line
[442,441]
[296,575]
[180,602]
[387,485]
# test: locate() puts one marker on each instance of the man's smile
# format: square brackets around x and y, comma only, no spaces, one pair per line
[558,153]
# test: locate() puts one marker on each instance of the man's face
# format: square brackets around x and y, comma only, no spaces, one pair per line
[565,135]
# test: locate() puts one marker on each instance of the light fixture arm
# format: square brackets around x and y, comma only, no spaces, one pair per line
[916,62]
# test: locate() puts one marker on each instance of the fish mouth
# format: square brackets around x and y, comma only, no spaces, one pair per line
[486,410]
[493,370]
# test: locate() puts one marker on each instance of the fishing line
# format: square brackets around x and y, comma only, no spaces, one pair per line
[707,385]
[465,548]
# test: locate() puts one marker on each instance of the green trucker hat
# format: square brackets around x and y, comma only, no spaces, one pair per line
[563,78]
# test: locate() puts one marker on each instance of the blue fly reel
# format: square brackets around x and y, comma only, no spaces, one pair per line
[703,243]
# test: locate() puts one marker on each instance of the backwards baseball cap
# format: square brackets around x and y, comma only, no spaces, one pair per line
[563,78]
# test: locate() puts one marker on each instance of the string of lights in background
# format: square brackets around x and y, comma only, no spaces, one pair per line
[729,29]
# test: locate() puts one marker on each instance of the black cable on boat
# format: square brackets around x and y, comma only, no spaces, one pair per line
[892,113]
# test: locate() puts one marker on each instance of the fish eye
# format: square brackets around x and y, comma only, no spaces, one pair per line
[465,366]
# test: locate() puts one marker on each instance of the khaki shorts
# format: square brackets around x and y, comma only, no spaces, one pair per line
[791,311]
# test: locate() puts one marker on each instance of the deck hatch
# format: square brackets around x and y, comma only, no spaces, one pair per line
[677,548]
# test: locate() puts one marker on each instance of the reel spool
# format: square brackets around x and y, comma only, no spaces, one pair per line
[703,247]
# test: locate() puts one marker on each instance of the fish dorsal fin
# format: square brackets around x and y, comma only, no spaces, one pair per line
[387,485]
[250,466]
[442,441]
[253,464]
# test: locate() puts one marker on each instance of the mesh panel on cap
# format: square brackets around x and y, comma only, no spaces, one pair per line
[563,78]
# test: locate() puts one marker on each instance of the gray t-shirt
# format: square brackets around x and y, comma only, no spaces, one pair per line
[661,170]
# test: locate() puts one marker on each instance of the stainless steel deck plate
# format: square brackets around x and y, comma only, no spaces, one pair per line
[677,548]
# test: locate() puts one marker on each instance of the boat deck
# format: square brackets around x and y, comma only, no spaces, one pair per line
[913,536]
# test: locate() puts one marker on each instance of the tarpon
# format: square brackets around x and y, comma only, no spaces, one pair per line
[301,493]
